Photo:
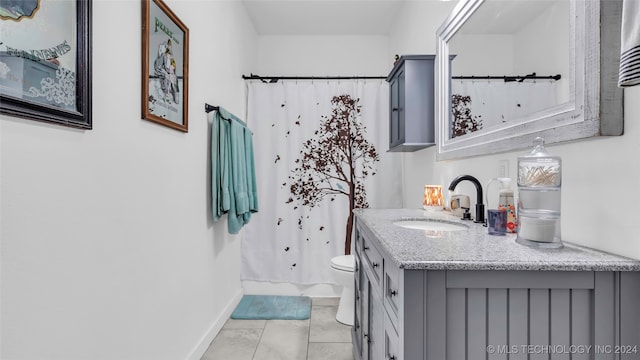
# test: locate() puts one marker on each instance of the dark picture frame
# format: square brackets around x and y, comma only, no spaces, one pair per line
[35,84]
[165,66]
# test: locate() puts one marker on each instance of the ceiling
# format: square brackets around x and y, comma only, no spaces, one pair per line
[317,17]
[376,17]
[506,16]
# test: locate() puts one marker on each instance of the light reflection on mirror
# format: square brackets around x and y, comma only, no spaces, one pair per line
[509,39]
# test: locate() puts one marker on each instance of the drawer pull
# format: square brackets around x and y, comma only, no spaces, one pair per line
[375,265]
[394,293]
[391,357]
[366,248]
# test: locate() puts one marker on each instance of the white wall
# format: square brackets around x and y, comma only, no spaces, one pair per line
[108,250]
[543,46]
[482,55]
[600,176]
[340,55]
[416,24]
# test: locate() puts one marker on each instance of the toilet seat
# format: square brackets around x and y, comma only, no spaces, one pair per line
[344,263]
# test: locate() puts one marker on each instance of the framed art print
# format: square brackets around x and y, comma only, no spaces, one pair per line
[165,66]
[45,61]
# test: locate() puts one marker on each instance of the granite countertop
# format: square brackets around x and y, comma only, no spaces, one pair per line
[474,249]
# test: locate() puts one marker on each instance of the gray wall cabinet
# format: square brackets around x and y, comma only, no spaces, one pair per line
[411,112]
[490,314]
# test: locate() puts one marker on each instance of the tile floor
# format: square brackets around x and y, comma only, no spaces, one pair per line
[318,338]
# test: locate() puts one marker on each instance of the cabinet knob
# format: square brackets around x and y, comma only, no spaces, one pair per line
[391,357]
[394,293]
[375,264]
[366,248]
[394,109]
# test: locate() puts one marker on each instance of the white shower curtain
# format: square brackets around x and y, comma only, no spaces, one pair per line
[493,103]
[300,130]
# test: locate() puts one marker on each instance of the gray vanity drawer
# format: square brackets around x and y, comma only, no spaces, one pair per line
[392,294]
[357,273]
[358,240]
[373,261]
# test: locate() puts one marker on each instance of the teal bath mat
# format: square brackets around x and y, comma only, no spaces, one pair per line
[271,307]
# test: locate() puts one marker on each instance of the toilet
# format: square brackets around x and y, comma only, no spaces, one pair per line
[342,271]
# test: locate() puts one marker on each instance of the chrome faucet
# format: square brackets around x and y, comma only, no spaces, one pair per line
[479,204]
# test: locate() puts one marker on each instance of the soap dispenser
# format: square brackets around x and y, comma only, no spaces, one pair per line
[539,183]
[505,201]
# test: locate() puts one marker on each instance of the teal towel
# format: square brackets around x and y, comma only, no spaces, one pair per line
[239,201]
[252,191]
[233,171]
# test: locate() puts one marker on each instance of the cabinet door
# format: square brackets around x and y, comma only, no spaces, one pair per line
[401,108]
[357,318]
[365,322]
[391,341]
[394,123]
[376,326]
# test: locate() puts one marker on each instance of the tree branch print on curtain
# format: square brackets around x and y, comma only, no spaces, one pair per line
[336,162]
[463,121]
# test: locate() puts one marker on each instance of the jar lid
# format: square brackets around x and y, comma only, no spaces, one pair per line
[539,151]
[538,167]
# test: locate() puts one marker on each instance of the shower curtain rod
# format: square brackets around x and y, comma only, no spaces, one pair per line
[506,78]
[274,79]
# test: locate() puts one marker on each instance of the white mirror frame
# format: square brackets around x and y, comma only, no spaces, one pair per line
[595,107]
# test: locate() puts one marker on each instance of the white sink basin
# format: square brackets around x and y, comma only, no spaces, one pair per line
[430,225]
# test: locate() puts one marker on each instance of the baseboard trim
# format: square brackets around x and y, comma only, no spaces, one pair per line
[215,328]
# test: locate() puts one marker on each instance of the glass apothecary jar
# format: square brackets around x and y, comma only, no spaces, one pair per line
[539,184]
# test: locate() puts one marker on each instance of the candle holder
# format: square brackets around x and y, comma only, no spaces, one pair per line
[433,198]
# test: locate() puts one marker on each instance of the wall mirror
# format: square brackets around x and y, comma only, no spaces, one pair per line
[518,69]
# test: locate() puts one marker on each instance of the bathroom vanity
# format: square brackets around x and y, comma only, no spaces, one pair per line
[448,290]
